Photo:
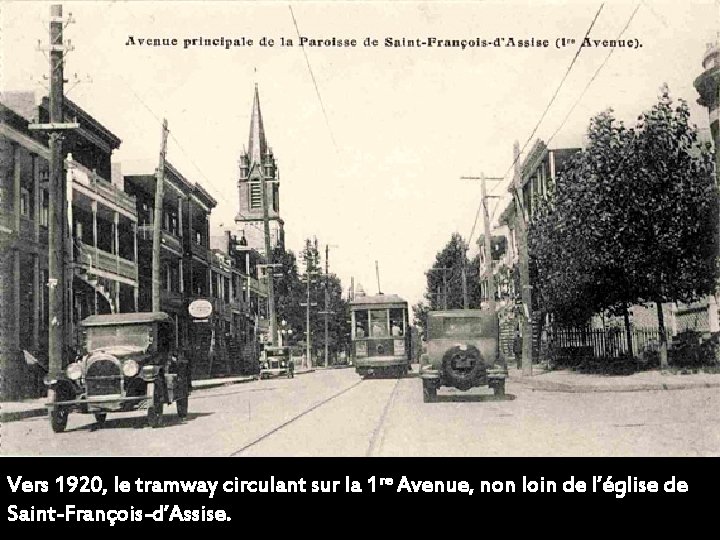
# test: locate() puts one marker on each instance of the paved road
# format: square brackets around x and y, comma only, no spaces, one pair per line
[335,413]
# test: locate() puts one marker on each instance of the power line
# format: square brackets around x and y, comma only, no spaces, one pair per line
[597,71]
[542,116]
[312,76]
[594,75]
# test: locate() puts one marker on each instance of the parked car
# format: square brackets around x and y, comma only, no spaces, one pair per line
[462,351]
[276,361]
[130,361]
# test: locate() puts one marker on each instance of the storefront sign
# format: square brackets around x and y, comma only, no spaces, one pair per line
[200,309]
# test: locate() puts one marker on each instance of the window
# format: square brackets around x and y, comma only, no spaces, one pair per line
[255,195]
[379,323]
[45,208]
[24,202]
[361,324]
[397,321]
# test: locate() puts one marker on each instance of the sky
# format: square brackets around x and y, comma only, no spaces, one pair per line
[373,165]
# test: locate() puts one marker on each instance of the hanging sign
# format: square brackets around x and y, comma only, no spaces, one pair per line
[200,309]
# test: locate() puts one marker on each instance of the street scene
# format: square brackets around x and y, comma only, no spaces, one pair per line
[322,234]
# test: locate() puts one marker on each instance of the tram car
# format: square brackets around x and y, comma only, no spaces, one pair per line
[380,335]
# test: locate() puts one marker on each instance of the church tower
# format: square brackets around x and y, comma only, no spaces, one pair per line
[256,165]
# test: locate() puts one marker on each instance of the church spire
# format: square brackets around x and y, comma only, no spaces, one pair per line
[257,145]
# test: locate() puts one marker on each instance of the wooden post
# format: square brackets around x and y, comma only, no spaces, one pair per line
[158,219]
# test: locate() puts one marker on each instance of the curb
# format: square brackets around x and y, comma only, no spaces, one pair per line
[37,412]
[548,386]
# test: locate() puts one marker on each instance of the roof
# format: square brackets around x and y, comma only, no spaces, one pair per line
[126,318]
[257,145]
[377,299]
[460,313]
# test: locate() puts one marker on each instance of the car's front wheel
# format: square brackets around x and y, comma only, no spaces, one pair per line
[155,410]
[100,418]
[429,392]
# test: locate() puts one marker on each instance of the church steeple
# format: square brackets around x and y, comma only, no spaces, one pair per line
[256,166]
[257,145]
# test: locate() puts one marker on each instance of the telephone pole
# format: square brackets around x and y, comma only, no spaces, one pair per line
[158,218]
[58,200]
[326,312]
[522,224]
[488,236]
[268,252]
[307,304]
[445,288]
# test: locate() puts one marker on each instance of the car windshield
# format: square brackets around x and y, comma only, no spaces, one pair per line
[136,335]
[441,327]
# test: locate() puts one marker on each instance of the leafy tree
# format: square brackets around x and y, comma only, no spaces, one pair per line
[632,219]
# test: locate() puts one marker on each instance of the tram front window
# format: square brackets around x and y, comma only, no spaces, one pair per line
[396,321]
[379,323]
[361,324]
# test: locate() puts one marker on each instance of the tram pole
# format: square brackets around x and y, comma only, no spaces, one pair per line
[158,218]
[58,200]
[487,234]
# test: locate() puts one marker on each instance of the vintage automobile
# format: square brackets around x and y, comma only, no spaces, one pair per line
[130,361]
[462,352]
[276,361]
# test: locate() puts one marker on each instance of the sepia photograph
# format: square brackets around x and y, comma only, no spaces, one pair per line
[359,229]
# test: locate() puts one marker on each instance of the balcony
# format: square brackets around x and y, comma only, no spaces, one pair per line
[171,241]
[103,189]
[89,257]
[200,251]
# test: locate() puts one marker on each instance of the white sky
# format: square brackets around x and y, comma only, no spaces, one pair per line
[408,123]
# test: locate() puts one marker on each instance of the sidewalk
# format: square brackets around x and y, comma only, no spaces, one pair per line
[574,382]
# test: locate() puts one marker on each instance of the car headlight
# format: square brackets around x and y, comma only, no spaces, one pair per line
[130,368]
[282,364]
[74,371]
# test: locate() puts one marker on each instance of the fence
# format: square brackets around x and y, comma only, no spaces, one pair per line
[570,346]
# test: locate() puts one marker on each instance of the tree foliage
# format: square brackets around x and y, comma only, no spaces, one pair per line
[633,218]
[291,292]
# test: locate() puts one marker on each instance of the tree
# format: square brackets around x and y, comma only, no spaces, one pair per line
[632,219]
[445,277]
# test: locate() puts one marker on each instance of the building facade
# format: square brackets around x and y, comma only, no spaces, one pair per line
[101,251]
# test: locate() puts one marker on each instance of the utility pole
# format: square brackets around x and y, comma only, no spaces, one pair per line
[268,252]
[57,211]
[307,304]
[488,235]
[445,288]
[377,273]
[158,219]
[464,277]
[326,312]
[522,224]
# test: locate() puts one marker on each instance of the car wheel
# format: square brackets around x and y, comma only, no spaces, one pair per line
[100,418]
[182,407]
[155,410]
[58,418]
[429,392]
[499,388]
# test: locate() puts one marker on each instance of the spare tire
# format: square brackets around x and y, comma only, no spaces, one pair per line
[462,367]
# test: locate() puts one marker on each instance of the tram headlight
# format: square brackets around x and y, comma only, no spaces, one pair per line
[130,368]
[74,371]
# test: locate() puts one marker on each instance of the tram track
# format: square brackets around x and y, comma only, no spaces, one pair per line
[295,418]
[376,437]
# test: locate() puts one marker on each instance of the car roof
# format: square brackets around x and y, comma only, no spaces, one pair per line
[126,318]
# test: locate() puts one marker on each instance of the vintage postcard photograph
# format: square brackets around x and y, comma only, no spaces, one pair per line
[359,229]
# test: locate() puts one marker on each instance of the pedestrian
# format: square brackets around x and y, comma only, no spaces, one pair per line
[517,348]
[396,329]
